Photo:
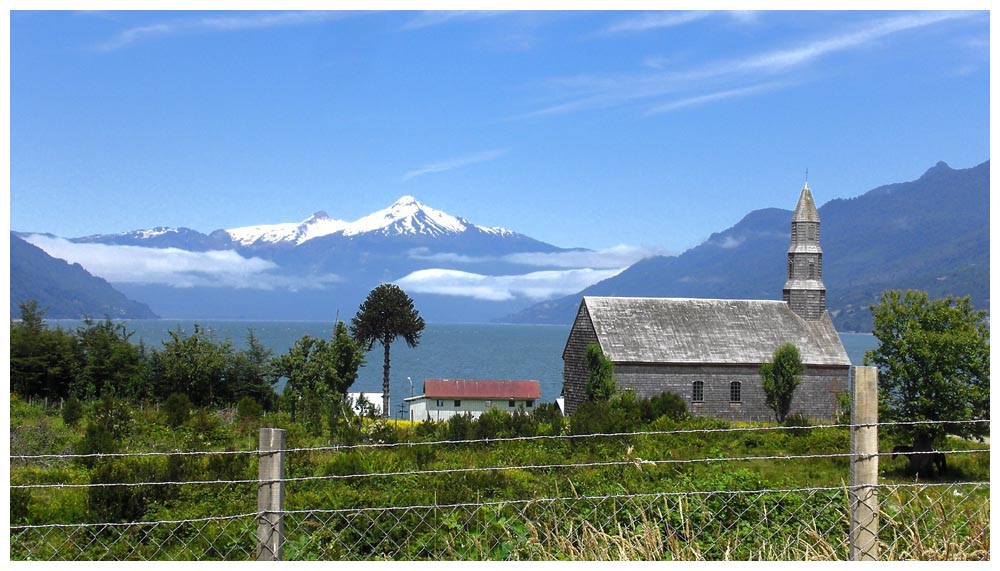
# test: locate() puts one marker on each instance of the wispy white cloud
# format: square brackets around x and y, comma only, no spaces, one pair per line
[723,79]
[175,267]
[615,257]
[655,20]
[715,96]
[438,17]
[646,21]
[452,164]
[219,23]
[534,285]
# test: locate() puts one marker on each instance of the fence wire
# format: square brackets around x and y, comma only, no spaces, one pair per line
[916,521]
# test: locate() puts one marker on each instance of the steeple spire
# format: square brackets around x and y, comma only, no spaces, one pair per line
[804,290]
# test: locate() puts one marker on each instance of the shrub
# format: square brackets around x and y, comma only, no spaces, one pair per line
[425,429]
[248,409]
[667,404]
[97,439]
[20,502]
[491,423]
[124,503]
[548,413]
[460,427]
[177,408]
[597,417]
[115,415]
[798,421]
[72,411]
[521,424]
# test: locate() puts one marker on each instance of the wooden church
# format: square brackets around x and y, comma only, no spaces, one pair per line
[709,351]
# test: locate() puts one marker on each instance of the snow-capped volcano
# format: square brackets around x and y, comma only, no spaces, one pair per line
[319,224]
[406,216]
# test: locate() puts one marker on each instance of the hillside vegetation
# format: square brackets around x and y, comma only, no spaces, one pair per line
[336,487]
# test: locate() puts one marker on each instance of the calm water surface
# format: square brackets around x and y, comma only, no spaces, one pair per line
[446,351]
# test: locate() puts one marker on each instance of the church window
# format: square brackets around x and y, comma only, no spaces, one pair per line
[734,391]
[698,391]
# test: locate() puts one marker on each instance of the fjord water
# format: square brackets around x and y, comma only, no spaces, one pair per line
[445,351]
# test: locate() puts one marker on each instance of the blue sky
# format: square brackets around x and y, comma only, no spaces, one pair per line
[581,129]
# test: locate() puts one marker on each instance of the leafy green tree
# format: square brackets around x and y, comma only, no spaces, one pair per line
[601,383]
[345,359]
[252,373]
[43,362]
[307,371]
[780,377]
[195,365]
[386,313]
[934,365]
[110,362]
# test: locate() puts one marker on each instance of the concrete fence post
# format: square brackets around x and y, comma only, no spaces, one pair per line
[271,495]
[864,464]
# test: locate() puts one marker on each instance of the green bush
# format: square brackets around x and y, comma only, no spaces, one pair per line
[124,503]
[491,423]
[460,427]
[97,439]
[248,410]
[20,502]
[666,404]
[72,411]
[177,407]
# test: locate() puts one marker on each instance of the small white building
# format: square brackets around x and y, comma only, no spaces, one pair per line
[444,398]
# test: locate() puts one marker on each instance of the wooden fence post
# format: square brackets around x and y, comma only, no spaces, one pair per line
[864,464]
[271,495]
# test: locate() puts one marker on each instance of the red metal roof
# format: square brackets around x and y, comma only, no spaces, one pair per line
[448,388]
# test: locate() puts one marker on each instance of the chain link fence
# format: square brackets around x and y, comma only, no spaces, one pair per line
[915,521]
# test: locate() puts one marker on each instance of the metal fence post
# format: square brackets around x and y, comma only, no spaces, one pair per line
[864,464]
[271,494]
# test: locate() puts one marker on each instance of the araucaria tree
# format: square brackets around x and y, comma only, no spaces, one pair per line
[934,365]
[780,377]
[386,313]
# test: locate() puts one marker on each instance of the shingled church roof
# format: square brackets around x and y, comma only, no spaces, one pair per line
[708,331]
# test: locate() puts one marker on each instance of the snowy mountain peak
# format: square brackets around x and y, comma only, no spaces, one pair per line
[407,216]
[319,224]
[406,200]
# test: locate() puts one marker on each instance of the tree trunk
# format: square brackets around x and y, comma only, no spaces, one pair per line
[385,380]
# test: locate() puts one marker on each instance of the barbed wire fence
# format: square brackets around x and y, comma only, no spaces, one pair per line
[861,520]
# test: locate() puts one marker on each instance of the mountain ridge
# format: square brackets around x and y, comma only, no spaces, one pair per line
[64,290]
[931,233]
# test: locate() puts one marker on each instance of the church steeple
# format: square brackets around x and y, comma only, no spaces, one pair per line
[804,290]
